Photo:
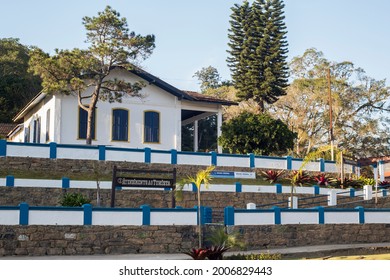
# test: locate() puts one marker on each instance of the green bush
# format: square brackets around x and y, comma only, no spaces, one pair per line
[74,200]
[251,257]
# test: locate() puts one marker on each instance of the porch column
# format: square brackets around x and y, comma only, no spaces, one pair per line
[219,131]
[196,137]
[381,167]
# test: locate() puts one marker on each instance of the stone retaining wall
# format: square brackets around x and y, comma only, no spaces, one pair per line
[89,240]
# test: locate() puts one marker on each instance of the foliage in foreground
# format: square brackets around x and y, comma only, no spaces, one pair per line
[74,200]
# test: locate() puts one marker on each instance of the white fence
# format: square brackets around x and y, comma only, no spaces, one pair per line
[319,215]
[86,215]
[147,155]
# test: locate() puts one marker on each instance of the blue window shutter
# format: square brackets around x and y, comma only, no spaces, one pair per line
[120,125]
[152,127]
[83,123]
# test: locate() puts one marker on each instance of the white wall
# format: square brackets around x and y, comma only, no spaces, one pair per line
[254,218]
[9,217]
[55,217]
[173,218]
[117,218]
[154,99]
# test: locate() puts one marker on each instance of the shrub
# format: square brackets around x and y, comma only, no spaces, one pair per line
[299,177]
[322,179]
[272,176]
[74,200]
[218,237]
[211,253]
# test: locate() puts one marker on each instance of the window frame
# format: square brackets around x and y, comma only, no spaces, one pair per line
[93,125]
[112,125]
[158,128]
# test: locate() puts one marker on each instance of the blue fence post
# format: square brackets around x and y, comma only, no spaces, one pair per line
[102,152]
[278,215]
[351,192]
[173,156]
[3,148]
[238,187]
[279,188]
[229,216]
[65,183]
[148,155]
[9,181]
[207,215]
[53,150]
[252,160]
[321,215]
[384,193]
[316,190]
[361,214]
[213,158]
[145,215]
[194,188]
[87,214]
[289,163]
[322,165]
[23,214]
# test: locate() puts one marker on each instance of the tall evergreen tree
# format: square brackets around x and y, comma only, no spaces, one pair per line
[239,48]
[258,51]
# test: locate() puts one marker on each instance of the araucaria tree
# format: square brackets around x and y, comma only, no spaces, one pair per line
[86,73]
[258,51]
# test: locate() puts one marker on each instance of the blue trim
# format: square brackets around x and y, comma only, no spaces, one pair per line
[102,152]
[3,148]
[229,216]
[384,192]
[214,158]
[278,215]
[27,144]
[173,156]
[145,215]
[9,181]
[316,190]
[87,214]
[194,188]
[322,165]
[279,188]
[233,155]
[238,187]
[65,183]
[289,163]
[75,146]
[124,149]
[207,217]
[252,160]
[321,215]
[56,208]
[361,214]
[148,155]
[53,150]
[23,216]
[351,192]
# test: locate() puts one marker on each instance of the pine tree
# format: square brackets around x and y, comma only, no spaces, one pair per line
[239,48]
[258,51]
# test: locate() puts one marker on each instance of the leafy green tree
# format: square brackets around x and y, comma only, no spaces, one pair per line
[111,45]
[208,77]
[17,86]
[360,107]
[258,51]
[256,133]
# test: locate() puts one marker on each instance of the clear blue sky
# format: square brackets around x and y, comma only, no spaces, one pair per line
[193,34]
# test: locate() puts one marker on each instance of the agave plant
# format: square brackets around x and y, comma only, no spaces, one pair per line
[384,184]
[271,175]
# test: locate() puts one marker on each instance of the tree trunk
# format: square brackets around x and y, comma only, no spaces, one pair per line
[90,120]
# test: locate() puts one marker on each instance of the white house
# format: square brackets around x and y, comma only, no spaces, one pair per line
[153,121]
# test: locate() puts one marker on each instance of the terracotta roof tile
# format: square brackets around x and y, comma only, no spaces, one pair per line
[5,128]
